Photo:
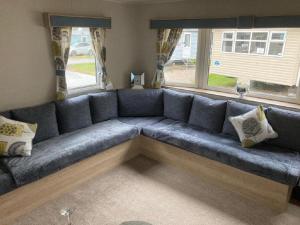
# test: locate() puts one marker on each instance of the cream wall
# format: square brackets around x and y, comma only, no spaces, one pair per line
[202,9]
[26,64]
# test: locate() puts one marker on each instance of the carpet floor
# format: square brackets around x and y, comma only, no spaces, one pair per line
[158,194]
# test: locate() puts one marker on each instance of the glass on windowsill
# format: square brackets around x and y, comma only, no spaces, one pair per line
[242,89]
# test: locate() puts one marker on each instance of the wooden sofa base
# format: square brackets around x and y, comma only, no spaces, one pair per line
[262,190]
[24,199]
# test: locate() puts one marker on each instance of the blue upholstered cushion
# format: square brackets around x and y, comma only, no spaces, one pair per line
[6,182]
[6,114]
[208,113]
[234,109]
[278,164]
[73,113]
[56,153]
[287,125]
[44,116]
[177,105]
[104,106]
[141,122]
[147,102]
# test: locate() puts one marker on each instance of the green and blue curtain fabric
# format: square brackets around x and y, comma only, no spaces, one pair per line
[61,39]
[167,40]
[98,42]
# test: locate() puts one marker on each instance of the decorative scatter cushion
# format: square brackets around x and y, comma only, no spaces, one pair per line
[234,109]
[16,137]
[253,127]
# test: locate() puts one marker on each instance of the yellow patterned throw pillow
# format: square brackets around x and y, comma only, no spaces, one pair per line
[253,127]
[16,137]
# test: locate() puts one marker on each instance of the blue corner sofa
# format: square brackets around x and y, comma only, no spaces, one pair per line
[79,127]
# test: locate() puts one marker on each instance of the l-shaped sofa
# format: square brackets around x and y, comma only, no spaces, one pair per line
[80,127]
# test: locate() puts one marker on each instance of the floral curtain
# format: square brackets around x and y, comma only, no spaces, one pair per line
[166,43]
[98,41]
[61,39]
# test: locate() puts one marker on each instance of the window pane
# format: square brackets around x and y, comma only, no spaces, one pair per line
[258,47]
[227,46]
[81,68]
[242,46]
[260,36]
[278,36]
[276,48]
[228,35]
[181,68]
[264,75]
[271,88]
[243,35]
[187,40]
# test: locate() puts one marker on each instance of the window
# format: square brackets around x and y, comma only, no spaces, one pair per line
[81,67]
[181,68]
[242,42]
[267,60]
[265,76]
[187,40]
[277,43]
[259,42]
[227,45]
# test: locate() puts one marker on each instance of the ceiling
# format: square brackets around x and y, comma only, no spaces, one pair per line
[145,1]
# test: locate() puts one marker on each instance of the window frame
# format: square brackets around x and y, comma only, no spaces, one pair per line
[277,41]
[228,39]
[190,39]
[87,88]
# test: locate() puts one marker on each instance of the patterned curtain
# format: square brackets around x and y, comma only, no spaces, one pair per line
[166,43]
[61,39]
[98,40]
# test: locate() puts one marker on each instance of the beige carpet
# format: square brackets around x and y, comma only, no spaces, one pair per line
[144,190]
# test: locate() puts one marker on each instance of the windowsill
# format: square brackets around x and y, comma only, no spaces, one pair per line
[84,90]
[250,99]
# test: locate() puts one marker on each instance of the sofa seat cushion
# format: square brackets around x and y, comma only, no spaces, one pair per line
[6,182]
[268,161]
[141,122]
[44,116]
[145,102]
[56,153]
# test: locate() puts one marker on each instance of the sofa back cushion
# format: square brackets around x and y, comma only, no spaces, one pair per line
[287,124]
[104,106]
[177,105]
[6,114]
[208,113]
[234,109]
[148,102]
[45,118]
[73,113]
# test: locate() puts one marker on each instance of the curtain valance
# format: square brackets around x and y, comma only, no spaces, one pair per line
[235,22]
[76,21]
